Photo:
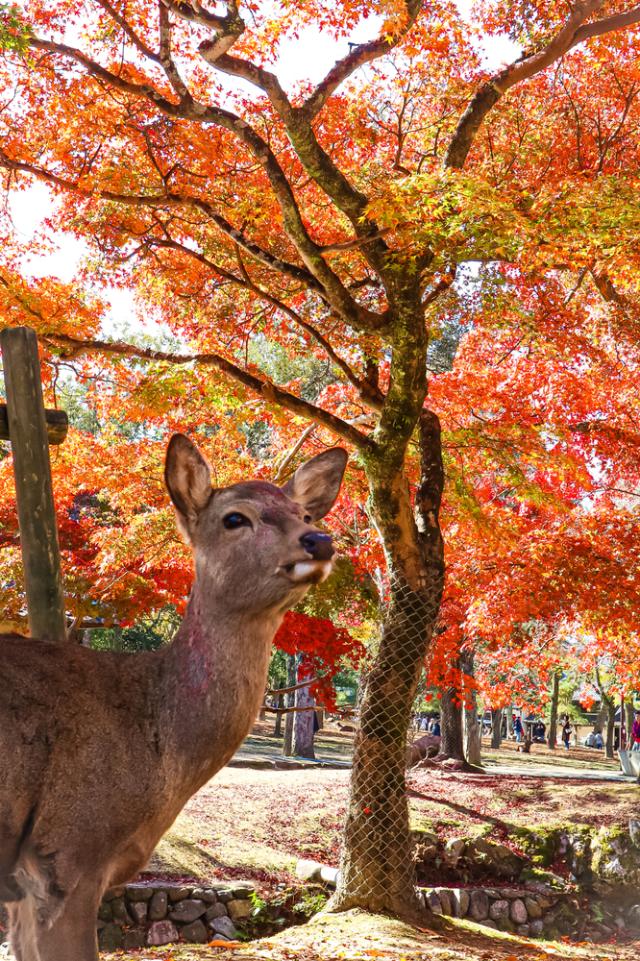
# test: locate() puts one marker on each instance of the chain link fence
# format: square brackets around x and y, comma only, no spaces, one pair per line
[377,869]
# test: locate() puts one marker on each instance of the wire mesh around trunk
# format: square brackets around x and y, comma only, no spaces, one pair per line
[377,868]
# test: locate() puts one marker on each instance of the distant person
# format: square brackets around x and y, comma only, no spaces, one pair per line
[635,732]
[567,730]
[435,730]
[539,731]
[517,729]
[598,740]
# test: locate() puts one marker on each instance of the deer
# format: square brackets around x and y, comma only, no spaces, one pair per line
[100,751]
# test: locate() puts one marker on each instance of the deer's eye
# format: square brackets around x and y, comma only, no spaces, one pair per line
[235,520]
[307,518]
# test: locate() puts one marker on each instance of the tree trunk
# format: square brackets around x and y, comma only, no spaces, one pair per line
[601,719]
[628,713]
[451,741]
[303,726]
[611,726]
[292,670]
[377,872]
[496,728]
[552,738]
[472,741]
[609,703]
[277,728]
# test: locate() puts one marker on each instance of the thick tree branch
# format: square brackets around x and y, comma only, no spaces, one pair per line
[226,29]
[263,387]
[357,57]
[315,160]
[607,25]
[366,393]
[128,30]
[609,293]
[573,32]
[166,59]
[196,13]
[360,318]
[169,199]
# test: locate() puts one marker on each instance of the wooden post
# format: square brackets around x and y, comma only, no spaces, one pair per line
[34,490]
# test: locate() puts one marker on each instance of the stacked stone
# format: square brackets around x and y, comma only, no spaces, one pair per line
[521,911]
[142,914]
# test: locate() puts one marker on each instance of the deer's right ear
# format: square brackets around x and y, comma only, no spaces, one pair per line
[188,481]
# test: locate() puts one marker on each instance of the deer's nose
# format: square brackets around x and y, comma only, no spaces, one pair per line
[318,545]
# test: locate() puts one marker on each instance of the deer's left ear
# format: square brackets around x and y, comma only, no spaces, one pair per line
[316,484]
[188,481]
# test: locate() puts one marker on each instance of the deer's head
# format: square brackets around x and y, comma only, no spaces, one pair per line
[255,544]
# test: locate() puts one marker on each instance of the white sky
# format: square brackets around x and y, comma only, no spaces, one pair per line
[307,58]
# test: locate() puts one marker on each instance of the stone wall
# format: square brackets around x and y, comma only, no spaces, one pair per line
[536,911]
[525,911]
[158,913]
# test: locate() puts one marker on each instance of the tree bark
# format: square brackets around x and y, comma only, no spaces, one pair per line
[496,728]
[609,703]
[611,726]
[34,487]
[303,726]
[451,740]
[292,670]
[552,738]
[471,738]
[601,719]
[628,713]
[277,728]
[377,872]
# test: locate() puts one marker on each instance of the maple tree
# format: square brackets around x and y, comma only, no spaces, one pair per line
[335,220]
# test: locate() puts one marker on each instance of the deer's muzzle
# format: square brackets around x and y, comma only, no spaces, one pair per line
[319,545]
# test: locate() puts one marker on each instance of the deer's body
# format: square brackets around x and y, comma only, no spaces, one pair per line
[99,752]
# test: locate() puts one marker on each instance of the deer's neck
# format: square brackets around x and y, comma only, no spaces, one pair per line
[214,678]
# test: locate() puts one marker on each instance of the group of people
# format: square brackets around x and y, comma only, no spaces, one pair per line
[429,724]
[595,738]
[537,732]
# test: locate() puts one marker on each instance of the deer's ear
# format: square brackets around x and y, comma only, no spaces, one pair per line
[316,484]
[188,481]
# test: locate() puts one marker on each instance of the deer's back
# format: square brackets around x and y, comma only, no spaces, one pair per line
[79,734]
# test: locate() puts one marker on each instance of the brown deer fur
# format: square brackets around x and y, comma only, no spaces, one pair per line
[101,751]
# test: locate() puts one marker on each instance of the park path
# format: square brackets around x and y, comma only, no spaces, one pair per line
[261,751]
[556,772]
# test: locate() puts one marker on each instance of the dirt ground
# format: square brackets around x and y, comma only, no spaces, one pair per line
[355,936]
[578,758]
[256,824]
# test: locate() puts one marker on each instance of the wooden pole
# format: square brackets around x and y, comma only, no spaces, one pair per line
[56,420]
[34,490]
